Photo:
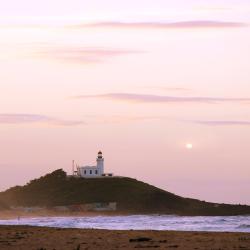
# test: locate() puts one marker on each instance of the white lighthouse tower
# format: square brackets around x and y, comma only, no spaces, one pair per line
[100,163]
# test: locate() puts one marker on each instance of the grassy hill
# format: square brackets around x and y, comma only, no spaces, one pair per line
[3,206]
[132,196]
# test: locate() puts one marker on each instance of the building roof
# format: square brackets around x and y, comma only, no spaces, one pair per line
[88,167]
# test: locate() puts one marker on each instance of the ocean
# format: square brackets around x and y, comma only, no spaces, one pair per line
[142,222]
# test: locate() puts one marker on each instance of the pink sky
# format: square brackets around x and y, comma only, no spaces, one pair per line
[136,79]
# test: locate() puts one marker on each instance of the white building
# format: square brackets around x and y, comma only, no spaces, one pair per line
[92,171]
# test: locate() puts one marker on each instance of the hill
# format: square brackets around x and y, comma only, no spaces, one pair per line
[3,206]
[132,196]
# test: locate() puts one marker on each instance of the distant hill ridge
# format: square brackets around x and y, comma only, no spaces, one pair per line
[132,196]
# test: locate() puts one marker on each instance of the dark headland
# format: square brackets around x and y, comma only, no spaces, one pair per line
[130,195]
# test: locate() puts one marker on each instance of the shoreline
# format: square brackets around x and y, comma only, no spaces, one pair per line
[28,237]
[155,222]
[14,214]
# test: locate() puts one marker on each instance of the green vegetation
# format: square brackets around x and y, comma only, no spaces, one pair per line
[132,196]
[3,206]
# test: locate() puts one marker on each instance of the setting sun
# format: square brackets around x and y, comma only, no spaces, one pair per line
[189,146]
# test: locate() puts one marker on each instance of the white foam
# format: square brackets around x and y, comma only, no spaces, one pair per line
[142,222]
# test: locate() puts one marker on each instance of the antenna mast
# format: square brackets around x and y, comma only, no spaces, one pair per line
[73,167]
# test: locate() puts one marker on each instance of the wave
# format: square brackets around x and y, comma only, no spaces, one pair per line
[142,222]
[222,220]
[244,226]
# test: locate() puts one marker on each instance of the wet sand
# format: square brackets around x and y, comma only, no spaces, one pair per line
[41,238]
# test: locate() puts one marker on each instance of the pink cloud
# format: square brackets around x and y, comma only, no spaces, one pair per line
[175,89]
[224,123]
[82,54]
[122,118]
[143,98]
[35,118]
[163,25]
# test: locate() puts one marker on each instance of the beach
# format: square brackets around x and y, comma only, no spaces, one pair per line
[44,238]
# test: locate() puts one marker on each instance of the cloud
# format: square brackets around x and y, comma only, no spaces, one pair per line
[223,123]
[122,118]
[35,118]
[82,54]
[179,89]
[213,8]
[164,25]
[142,98]
[17,119]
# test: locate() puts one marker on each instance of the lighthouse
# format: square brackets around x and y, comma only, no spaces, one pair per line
[100,163]
[92,171]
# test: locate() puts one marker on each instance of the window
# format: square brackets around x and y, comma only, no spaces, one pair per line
[90,171]
[96,172]
[85,172]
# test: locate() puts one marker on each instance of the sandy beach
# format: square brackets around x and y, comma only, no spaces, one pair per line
[40,238]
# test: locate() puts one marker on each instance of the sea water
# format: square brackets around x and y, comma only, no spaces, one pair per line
[142,222]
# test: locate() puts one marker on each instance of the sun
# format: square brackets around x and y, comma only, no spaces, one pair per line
[189,146]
